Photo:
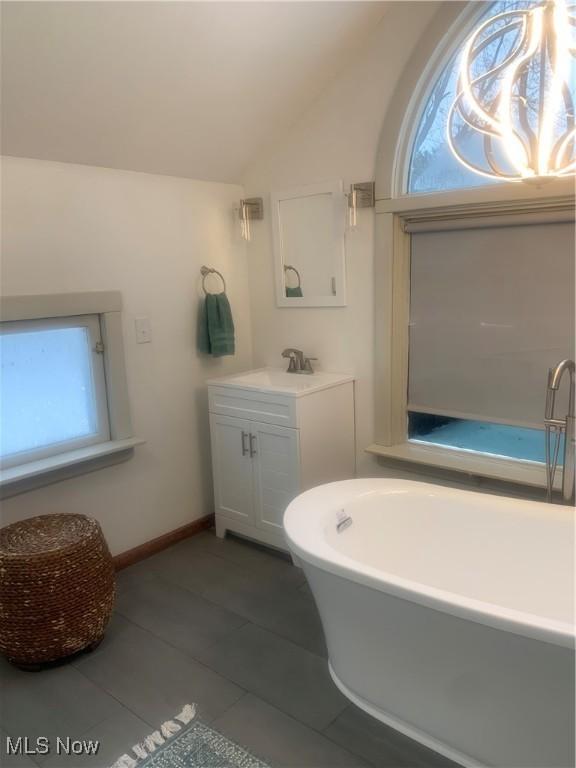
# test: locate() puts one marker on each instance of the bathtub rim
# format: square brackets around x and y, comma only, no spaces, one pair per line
[471,609]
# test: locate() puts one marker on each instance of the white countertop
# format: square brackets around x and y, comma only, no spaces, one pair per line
[278,381]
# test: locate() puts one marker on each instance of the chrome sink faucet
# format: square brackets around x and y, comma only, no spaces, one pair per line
[298,362]
[555,426]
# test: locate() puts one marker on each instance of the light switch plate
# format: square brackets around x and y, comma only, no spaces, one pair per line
[143,330]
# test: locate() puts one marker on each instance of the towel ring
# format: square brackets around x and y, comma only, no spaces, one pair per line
[293,269]
[205,271]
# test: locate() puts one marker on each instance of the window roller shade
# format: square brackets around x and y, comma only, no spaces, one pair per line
[491,310]
[560,213]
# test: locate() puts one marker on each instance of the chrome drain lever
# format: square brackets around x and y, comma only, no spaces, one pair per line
[343,521]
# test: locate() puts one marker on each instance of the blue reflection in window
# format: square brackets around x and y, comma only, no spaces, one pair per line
[479,436]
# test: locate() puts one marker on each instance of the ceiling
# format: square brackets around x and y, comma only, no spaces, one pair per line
[190,89]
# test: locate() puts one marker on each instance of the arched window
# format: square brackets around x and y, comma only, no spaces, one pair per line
[432,165]
[473,279]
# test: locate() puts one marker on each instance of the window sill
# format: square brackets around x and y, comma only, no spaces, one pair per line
[34,474]
[509,470]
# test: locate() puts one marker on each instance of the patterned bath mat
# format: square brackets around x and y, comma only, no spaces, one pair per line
[185,742]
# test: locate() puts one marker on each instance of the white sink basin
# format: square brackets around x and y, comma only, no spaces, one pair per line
[278,381]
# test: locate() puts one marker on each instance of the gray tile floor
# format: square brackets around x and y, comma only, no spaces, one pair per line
[227,625]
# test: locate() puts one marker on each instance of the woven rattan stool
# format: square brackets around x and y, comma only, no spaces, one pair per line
[56,588]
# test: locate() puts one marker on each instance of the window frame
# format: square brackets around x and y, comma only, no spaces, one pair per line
[392,283]
[102,434]
[426,83]
[447,30]
[107,307]
[394,208]
[431,67]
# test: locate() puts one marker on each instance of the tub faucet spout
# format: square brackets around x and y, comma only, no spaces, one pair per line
[567,426]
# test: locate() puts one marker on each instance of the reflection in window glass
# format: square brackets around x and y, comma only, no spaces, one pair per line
[479,436]
[433,167]
[47,389]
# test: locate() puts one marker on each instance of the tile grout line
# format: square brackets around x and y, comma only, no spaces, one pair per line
[247,568]
[260,695]
[278,635]
[352,751]
[264,551]
[71,664]
[305,725]
[112,696]
[202,595]
[246,621]
[243,696]
[174,648]
[242,619]
[244,571]
[350,705]
[104,690]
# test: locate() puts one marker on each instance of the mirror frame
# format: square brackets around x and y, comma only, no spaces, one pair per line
[336,190]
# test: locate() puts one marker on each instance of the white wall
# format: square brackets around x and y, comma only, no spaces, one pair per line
[76,228]
[337,137]
[346,134]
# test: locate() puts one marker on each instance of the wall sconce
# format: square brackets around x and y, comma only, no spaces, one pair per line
[250,208]
[361,195]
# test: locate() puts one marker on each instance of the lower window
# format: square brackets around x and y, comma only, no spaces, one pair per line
[53,388]
[479,436]
[491,311]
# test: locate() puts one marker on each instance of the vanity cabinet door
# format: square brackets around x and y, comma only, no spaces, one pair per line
[233,470]
[275,453]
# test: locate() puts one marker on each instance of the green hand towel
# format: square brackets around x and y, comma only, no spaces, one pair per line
[202,326]
[294,292]
[216,326]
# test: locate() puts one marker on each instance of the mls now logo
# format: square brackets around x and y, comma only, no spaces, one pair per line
[22,745]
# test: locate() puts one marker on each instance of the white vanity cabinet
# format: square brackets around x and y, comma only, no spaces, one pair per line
[273,436]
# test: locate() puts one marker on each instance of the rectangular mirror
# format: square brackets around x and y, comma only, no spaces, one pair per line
[309,256]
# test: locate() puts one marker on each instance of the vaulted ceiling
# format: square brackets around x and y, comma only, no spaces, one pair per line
[190,89]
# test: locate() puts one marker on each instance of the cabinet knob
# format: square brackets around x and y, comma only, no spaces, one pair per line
[252,445]
[245,448]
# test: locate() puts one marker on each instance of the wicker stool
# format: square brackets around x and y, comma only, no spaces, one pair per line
[56,588]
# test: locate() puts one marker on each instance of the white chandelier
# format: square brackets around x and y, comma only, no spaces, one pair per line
[513,116]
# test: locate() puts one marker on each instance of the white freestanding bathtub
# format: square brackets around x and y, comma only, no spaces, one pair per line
[448,614]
